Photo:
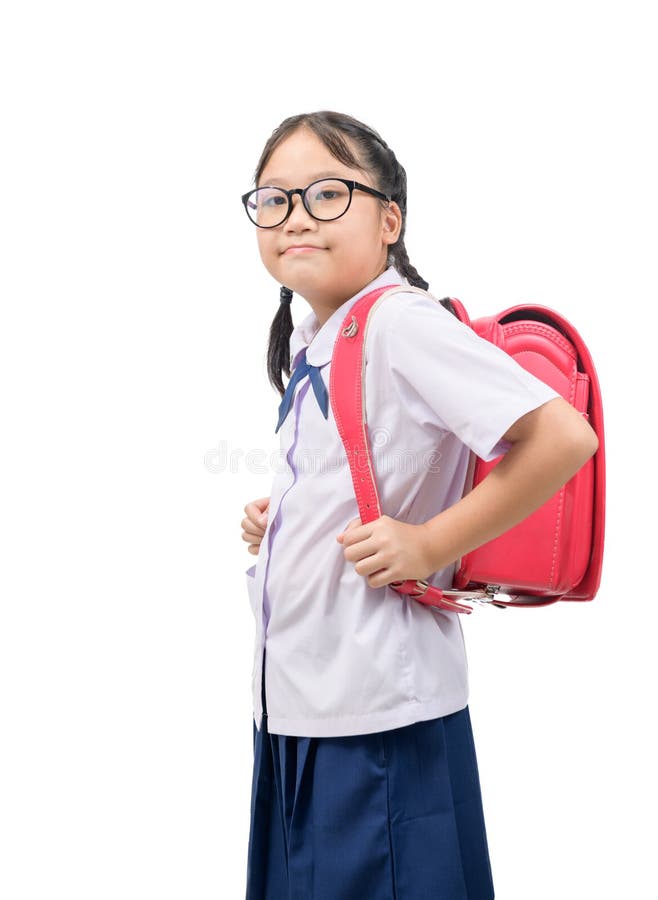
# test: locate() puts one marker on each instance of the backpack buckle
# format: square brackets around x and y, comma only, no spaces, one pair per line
[421,586]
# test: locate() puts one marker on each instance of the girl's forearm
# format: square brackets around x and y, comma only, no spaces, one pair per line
[531,472]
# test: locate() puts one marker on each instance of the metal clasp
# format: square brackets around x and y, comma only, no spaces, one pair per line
[485,597]
[352,329]
[422,588]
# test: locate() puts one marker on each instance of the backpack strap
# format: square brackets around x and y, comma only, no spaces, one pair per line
[346,383]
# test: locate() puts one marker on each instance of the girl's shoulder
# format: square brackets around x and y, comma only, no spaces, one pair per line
[414,313]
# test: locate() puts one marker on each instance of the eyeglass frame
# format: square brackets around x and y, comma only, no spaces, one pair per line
[352,185]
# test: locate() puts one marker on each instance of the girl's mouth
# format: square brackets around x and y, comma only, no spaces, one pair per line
[293,250]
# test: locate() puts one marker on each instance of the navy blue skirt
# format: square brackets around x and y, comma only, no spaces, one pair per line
[391,815]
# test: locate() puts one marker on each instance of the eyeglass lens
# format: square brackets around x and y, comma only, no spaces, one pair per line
[326,199]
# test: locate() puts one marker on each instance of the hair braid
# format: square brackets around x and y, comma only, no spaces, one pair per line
[400,260]
[278,349]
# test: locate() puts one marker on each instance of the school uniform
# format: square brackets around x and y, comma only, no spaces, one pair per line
[365,780]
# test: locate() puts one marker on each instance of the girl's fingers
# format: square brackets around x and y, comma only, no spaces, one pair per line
[254,541]
[351,524]
[257,511]
[251,527]
[256,507]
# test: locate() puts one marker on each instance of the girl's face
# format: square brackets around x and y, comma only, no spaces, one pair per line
[351,250]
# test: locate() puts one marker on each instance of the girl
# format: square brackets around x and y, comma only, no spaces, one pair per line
[365,780]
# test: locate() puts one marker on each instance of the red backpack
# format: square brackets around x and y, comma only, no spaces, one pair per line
[556,552]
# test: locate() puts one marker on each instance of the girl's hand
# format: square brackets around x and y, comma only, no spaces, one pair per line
[253,526]
[386,550]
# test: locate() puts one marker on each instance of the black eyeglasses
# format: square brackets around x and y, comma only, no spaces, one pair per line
[325,200]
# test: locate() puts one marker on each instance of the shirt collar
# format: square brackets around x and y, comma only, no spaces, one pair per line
[320,341]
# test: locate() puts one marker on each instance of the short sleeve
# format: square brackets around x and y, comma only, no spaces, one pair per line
[460,381]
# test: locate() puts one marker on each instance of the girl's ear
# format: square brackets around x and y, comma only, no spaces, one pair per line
[392,222]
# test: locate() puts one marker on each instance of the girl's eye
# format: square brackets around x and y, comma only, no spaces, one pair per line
[273,200]
[326,195]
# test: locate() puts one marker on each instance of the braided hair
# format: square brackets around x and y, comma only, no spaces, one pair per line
[389,176]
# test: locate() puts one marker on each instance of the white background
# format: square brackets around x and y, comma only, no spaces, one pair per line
[135,316]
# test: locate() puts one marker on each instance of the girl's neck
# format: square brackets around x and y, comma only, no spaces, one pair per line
[323,312]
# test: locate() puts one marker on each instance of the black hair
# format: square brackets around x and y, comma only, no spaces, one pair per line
[376,158]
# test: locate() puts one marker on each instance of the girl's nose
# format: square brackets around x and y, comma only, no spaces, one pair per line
[298,214]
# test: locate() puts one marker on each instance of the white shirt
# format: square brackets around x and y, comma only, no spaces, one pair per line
[344,658]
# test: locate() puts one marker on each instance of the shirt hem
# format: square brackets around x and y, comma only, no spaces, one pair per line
[343,726]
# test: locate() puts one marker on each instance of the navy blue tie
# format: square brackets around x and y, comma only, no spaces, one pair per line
[319,389]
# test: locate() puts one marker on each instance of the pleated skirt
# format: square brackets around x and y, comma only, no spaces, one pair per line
[391,815]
